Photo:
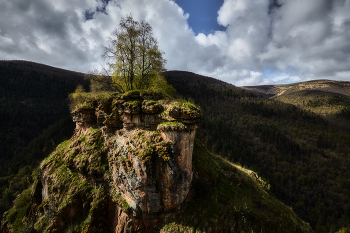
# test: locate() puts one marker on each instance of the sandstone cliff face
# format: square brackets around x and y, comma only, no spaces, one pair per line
[128,165]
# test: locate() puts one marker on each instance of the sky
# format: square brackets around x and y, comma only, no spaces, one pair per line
[242,42]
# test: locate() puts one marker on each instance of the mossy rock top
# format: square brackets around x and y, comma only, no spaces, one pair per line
[142,94]
[139,101]
[172,126]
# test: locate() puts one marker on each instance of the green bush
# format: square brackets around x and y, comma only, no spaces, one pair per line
[15,215]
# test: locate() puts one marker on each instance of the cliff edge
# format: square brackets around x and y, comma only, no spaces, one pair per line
[128,164]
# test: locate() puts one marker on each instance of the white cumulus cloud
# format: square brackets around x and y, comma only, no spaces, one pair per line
[296,39]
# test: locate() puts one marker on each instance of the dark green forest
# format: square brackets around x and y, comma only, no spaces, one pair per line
[34,119]
[302,155]
[33,97]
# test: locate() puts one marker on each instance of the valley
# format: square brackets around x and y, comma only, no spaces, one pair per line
[295,137]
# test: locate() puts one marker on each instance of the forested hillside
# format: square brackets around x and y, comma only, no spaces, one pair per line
[33,96]
[34,119]
[304,156]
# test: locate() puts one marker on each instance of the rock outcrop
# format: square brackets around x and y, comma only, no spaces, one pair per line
[127,166]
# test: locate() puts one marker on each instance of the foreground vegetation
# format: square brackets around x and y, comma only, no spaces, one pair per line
[34,213]
[14,182]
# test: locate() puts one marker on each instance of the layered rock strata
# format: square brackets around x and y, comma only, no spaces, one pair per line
[128,165]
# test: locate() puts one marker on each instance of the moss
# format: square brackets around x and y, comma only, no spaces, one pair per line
[88,153]
[134,102]
[154,95]
[171,126]
[173,227]
[59,151]
[163,150]
[84,154]
[144,94]
[16,214]
[66,170]
[88,100]
[133,94]
[71,190]
[85,106]
[147,144]
[186,105]
[175,110]
[119,200]
[97,195]
[133,105]
[43,204]
[42,223]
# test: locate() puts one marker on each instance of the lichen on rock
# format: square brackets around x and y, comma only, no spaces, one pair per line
[146,173]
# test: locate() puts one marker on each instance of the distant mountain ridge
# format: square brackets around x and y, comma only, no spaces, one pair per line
[324,97]
[327,86]
[35,66]
[27,93]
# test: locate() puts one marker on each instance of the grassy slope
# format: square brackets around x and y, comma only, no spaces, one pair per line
[340,87]
[229,198]
[36,215]
[324,97]
[304,156]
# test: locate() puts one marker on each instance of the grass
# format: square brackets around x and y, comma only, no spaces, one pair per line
[327,98]
[63,146]
[86,100]
[15,215]
[144,144]
[171,126]
[230,198]
[67,185]
[121,201]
